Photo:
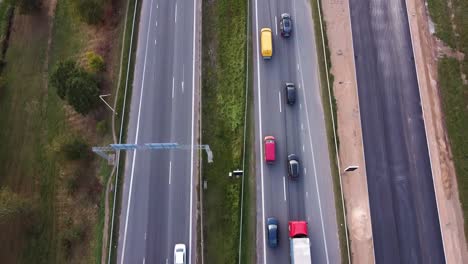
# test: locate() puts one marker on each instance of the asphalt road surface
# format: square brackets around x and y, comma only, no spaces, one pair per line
[158,201]
[405,221]
[298,129]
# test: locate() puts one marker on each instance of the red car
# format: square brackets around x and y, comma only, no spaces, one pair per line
[270,149]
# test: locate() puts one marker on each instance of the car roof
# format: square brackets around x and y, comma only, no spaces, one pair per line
[179,257]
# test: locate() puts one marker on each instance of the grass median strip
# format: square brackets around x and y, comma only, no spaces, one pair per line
[223,77]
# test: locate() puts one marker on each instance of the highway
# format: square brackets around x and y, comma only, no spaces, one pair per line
[159,198]
[404,213]
[298,129]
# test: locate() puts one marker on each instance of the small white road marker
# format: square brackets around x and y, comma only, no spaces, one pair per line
[170,171]
[279,100]
[183,77]
[276,25]
[284,187]
[175,14]
[172,87]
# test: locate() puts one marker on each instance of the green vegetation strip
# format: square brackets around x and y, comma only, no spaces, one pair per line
[454,101]
[6,14]
[451,25]
[340,214]
[224,37]
[123,108]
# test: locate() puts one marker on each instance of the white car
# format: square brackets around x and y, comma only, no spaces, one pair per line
[179,254]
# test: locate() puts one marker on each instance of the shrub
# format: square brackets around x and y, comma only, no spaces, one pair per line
[83,92]
[102,127]
[29,6]
[77,86]
[76,149]
[12,205]
[90,10]
[60,76]
[95,62]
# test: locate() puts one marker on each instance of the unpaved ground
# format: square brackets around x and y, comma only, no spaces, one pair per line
[426,50]
[337,17]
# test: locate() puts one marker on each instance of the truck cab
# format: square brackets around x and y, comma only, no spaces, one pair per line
[299,243]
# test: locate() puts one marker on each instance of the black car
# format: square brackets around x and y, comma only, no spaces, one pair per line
[293,166]
[272,229]
[286,25]
[290,93]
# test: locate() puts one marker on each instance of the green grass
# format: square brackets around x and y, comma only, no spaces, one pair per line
[329,124]
[249,213]
[439,13]
[96,243]
[454,32]
[224,24]
[454,102]
[33,116]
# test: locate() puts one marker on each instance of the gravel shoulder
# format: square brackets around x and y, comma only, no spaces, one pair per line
[337,18]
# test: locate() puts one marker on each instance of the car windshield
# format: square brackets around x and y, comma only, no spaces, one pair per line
[179,250]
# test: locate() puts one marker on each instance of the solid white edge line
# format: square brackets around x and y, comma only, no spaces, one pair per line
[284,187]
[193,122]
[136,140]
[425,130]
[260,129]
[170,171]
[311,146]
[175,14]
[279,100]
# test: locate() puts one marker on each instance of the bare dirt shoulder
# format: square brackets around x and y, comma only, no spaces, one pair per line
[351,151]
[426,50]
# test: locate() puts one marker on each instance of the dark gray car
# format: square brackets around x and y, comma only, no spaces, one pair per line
[290,93]
[285,25]
[293,166]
